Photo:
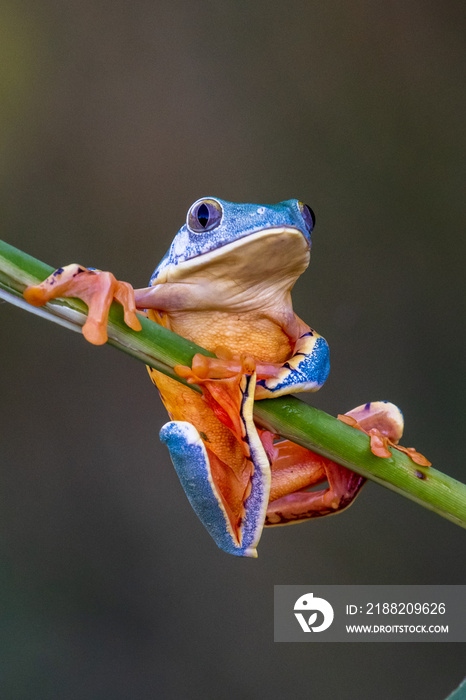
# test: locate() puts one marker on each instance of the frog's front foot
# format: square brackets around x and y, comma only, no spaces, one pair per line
[224,366]
[223,383]
[383,423]
[96,288]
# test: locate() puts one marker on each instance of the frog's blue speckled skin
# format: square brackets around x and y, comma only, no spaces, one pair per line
[238,221]
[191,463]
[309,373]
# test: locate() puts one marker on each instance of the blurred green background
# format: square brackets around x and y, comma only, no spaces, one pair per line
[114,118]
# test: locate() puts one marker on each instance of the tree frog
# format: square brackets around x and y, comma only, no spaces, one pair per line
[226,284]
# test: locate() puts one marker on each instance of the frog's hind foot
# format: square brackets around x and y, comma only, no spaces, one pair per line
[96,288]
[383,423]
[295,470]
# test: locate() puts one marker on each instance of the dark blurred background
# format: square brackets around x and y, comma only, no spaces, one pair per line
[114,118]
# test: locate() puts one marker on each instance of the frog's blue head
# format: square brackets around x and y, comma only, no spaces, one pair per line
[213,226]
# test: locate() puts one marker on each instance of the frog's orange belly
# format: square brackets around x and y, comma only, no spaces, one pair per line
[240,334]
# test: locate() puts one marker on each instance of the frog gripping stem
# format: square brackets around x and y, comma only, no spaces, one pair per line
[295,470]
[225,285]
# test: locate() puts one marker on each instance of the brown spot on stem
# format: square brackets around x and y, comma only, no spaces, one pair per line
[420,475]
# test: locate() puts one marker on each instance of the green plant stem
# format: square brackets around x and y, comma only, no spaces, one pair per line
[287,416]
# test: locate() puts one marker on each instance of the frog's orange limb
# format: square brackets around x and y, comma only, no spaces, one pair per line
[97,289]
[223,385]
[294,471]
[294,468]
[234,461]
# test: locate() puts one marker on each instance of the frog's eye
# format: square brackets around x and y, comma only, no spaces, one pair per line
[308,216]
[204,215]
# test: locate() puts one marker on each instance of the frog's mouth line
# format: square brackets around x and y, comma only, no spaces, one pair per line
[276,250]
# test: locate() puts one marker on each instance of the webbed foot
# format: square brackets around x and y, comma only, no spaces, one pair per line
[96,288]
[383,423]
[295,470]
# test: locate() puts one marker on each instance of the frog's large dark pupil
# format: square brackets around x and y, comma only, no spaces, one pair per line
[203,215]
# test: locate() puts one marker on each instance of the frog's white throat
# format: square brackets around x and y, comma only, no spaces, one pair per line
[256,271]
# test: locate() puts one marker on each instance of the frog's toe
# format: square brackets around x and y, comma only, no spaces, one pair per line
[192,464]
